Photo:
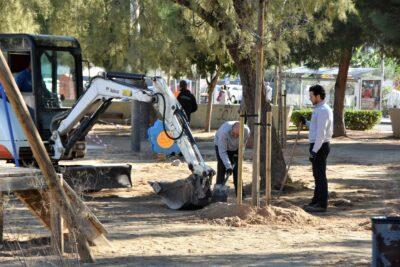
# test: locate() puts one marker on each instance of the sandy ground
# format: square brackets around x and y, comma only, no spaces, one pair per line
[364,180]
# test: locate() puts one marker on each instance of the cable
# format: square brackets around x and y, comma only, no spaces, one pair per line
[163,119]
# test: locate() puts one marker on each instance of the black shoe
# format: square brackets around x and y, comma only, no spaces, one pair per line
[315,208]
[309,204]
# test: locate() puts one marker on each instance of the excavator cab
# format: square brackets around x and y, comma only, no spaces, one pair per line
[48,72]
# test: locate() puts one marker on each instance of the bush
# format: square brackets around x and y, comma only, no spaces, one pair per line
[362,119]
[353,119]
[385,113]
[295,118]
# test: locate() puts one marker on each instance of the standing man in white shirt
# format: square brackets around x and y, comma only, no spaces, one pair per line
[320,134]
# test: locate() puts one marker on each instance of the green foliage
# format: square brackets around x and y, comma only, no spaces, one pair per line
[160,34]
[16,17]
[370,31]
[362,119]
[296,114]
[354,119]
[367,56]
[383,22]
[290,23]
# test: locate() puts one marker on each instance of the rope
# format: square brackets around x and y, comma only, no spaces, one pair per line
[290,160]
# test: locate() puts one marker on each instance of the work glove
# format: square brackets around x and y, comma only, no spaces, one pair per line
[312,156]
[303,120]
[229,171]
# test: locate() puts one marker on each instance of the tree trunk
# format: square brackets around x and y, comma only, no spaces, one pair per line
[207,125]
[211,88]
[247,72]
[244,62]
[278,165]
[340,89]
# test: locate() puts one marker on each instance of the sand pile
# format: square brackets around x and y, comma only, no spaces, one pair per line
[232,214]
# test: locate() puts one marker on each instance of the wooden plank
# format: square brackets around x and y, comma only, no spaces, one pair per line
[56,225]
[75,222]
[28,190]
[83,249]
[38,203]
[11,184]
[86,212]
[15,172]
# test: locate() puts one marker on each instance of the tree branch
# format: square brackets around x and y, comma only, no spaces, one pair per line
[209,17]
[217,19]
[243,12]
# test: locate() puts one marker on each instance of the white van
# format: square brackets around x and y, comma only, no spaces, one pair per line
[235,93]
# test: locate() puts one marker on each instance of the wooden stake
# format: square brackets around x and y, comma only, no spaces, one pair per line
[56,227]
[240,162]
[284,120]
[280,101]
[268,149]
[255,189]
[81,225]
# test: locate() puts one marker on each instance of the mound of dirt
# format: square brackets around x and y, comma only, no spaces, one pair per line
[221,210]
[232,214]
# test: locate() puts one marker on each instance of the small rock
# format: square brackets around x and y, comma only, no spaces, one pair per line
[341,202]
[333,194]
[160,156]
[176,162]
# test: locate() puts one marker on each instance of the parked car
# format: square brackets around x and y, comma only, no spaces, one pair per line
[204,95]
[235,93]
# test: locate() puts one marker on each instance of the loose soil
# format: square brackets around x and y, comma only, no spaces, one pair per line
[364,181]
[232,214]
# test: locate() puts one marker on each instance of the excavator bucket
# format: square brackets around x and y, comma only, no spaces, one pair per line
[190,193]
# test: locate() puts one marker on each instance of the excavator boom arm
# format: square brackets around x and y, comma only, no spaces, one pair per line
[79,120]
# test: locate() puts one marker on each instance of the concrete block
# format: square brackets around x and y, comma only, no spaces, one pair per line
[394,114]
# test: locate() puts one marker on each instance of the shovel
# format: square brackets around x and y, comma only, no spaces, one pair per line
[220,191]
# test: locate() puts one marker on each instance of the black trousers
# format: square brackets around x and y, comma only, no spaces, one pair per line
[221,170]
[319,172]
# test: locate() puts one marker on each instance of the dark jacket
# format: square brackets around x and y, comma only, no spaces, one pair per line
[188,102]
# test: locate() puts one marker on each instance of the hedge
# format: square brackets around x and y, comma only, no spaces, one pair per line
[295,118]
[362,119]
[353,119]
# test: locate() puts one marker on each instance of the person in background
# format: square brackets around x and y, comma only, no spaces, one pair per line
[24,80]
[268,91]
[223,96]
[226,143]
[186,99]
[320,134]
